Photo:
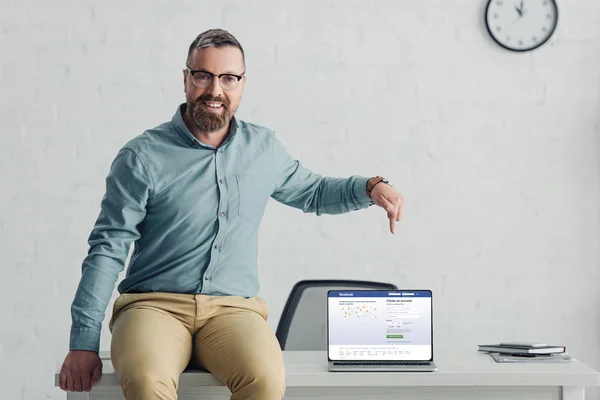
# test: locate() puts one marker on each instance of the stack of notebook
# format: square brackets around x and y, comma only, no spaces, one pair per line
[526,352]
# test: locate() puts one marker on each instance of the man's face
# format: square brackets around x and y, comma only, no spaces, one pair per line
[212,108]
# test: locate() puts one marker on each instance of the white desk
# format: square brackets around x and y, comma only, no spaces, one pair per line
[460,376]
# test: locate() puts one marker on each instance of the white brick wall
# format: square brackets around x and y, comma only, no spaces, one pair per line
[496,153]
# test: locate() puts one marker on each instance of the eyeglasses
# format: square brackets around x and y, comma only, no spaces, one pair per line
[203,79]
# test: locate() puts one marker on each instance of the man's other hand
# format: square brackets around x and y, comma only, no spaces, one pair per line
[80,371]
[391,201]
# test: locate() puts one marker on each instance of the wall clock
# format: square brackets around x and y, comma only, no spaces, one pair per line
[521,25]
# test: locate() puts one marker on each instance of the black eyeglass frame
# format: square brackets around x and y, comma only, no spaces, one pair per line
[212,76]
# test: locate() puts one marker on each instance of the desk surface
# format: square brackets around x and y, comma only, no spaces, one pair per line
[309,369]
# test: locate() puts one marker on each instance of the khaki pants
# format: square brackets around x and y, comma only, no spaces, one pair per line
[156,335]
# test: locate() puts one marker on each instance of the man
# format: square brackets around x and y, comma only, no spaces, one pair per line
[191,194]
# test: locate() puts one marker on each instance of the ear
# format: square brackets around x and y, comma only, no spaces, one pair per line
[185,75]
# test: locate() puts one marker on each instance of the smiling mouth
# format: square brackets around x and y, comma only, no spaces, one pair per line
[212,105]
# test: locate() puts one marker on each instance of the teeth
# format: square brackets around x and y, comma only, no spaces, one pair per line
[213,105]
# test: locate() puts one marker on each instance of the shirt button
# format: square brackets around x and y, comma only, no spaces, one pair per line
[216,246]
[222,214]
[206,278]
[221,180]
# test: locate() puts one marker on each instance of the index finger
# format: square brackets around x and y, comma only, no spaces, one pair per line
[392,223]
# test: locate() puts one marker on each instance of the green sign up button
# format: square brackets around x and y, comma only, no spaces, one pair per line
[395,336]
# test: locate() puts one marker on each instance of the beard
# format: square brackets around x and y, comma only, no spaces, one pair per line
[207,121]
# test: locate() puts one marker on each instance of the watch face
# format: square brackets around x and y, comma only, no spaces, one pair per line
[521,25]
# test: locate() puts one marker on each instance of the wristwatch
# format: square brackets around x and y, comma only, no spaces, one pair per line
[374,181]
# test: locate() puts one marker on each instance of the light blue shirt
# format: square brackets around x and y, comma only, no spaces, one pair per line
[193,212]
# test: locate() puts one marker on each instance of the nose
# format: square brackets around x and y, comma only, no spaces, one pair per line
[215,89]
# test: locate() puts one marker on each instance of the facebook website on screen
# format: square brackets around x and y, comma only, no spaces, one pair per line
[390,325]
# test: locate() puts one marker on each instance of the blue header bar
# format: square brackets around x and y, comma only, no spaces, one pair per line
[380,293]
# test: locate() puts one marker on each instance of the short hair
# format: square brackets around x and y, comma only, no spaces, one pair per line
[214,38]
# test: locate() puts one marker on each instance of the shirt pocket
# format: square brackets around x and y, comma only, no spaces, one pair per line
[253,193]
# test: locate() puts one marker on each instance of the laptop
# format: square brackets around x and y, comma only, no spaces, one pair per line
[380,330]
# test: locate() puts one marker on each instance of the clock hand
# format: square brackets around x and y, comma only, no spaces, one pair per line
[519,11]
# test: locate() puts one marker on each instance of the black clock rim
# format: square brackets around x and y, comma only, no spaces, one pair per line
[487,27]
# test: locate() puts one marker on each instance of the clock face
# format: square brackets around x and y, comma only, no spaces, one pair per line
[521,25]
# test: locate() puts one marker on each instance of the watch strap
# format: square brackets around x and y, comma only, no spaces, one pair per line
[374,181]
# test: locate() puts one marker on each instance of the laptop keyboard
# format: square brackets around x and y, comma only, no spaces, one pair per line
[381,363]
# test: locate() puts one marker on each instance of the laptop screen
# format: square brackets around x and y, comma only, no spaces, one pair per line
[380,325]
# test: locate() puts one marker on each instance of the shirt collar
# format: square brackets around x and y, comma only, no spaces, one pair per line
[185,133]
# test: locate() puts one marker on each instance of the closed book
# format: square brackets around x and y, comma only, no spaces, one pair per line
[496,348]
[523,344]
